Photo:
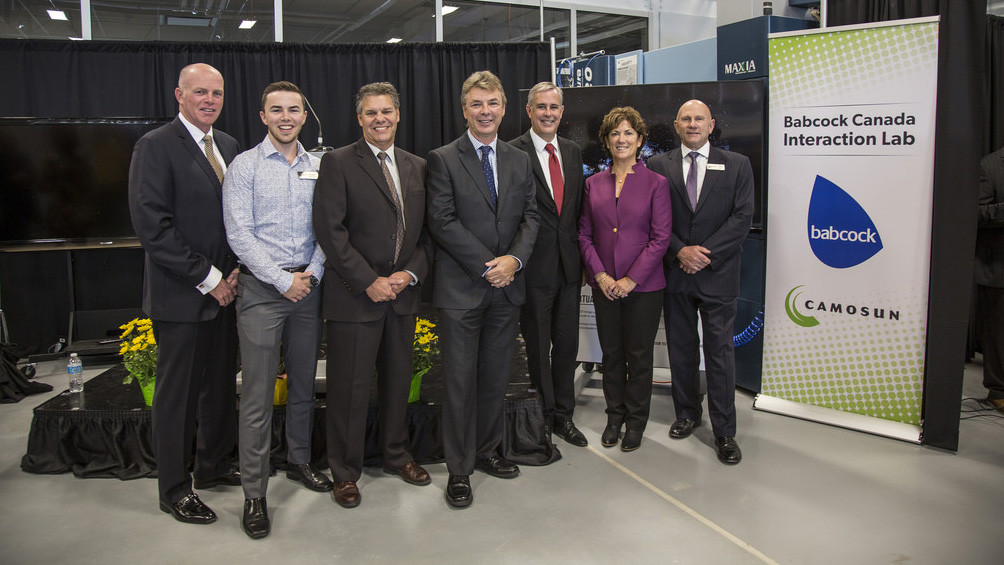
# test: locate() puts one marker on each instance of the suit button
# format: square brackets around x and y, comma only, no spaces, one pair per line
[393,236]
[615,230]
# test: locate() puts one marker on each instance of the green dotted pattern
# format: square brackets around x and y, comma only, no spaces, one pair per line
[852,363]
[820,68]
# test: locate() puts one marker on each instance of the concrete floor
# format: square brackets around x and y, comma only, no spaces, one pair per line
[804,493]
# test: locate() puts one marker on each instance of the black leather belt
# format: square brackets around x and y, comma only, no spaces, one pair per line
[299,269]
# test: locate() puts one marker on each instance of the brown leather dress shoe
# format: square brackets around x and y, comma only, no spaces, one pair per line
[412,473]
[346,494]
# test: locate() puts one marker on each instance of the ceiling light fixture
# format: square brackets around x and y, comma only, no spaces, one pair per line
[247,24]
[447,10]
[394,40]
[57,15]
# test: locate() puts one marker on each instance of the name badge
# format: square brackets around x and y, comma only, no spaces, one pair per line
[716,166]
[307,175]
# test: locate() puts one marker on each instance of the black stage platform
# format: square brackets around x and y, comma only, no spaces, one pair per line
[105,431]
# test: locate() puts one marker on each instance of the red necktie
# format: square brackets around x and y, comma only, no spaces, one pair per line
[557,183]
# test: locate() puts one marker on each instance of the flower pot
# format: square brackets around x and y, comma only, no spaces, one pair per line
[416,385]
[148,392]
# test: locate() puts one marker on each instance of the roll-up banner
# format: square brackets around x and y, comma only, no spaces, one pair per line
[851,122]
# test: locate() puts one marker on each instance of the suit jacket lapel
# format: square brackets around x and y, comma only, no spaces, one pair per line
[676,181]
[544,196]
[197,153]
[711,177]
[571,176]
[371,166]
[472,162]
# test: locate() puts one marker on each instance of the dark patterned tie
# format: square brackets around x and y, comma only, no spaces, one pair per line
[211,156]
[399,237]
[486,167]
[692,180]
[557,183]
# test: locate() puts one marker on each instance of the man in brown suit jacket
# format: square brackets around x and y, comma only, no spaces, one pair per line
[369,211]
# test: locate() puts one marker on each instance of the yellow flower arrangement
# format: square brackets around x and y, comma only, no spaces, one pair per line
[425,348]
[139,351]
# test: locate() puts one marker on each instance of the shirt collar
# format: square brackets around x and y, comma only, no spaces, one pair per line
[195,132]
[539,144]
[267,149]
[477,143]
[376,152]
[705,150]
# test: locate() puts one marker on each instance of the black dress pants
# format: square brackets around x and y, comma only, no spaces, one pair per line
[194,401]
[627,328]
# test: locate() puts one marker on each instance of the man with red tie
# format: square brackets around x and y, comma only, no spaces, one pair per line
[549,319]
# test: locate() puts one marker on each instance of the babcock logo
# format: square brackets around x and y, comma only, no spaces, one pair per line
[841,234]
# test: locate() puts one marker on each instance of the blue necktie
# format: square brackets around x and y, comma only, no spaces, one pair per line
[486,167]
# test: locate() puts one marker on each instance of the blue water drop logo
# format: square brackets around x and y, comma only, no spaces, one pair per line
[841,234]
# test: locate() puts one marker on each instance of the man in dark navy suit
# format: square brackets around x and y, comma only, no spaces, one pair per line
[712,197]
[189,286]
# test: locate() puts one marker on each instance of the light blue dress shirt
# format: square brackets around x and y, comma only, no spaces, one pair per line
[267,213]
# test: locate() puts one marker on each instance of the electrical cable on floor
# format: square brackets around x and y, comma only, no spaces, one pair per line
[985,409]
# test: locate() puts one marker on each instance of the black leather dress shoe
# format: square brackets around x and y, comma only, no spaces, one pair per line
[231,477]
[190,510]
[309,477]
[255,521]
[683,428]
[728,450]
[611,434]
[459,493]
[632,440]
[497,467]
[567,431]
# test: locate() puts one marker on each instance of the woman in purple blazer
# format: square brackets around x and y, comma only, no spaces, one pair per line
[624,233]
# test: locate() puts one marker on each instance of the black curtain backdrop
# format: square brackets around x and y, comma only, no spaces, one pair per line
[958,148]
[846,12]
[93,79]
[994,84]
[98,79]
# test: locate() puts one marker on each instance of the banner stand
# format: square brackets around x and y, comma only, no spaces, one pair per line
[849,420]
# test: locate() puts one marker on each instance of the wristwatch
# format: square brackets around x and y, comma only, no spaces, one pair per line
[314,281]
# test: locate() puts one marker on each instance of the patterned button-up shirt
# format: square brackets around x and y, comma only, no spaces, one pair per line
[267,213]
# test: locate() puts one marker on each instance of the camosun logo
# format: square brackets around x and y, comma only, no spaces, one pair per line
[793,300]
[841,234]
[791,308]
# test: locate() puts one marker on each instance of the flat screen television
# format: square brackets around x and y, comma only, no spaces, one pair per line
[738,107]
[66,180]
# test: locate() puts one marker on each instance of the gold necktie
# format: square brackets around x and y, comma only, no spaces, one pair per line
[211,155]
[399,237]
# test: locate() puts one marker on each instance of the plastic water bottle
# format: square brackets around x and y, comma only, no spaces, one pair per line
[75,370]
